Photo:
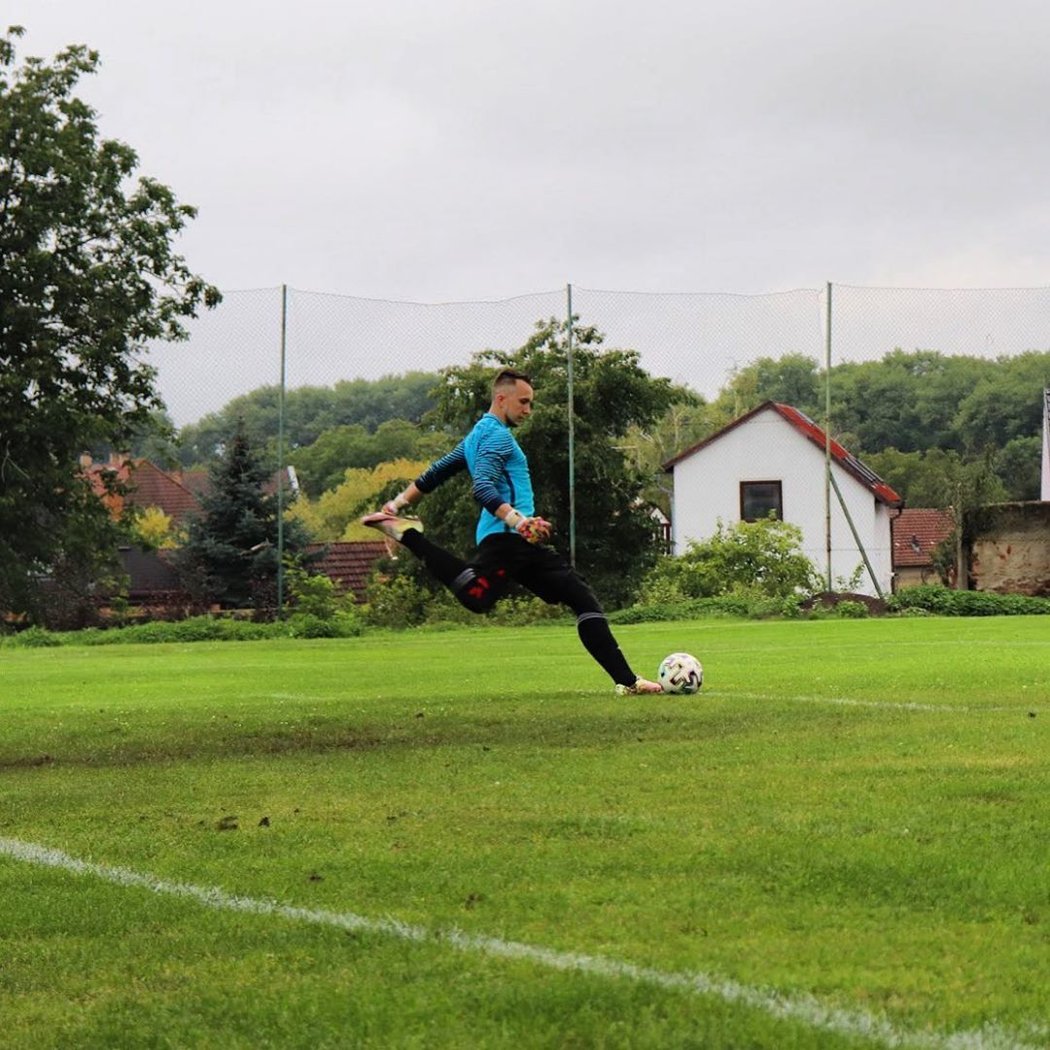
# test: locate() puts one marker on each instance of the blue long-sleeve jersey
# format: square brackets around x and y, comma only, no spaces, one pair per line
[498,467]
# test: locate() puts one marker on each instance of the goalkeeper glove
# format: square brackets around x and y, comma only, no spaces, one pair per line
[396,505]
[534,529]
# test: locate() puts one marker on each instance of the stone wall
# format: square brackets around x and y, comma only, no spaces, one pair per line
[1011,553]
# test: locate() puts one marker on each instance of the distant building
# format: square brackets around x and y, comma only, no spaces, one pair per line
[176,493]
[772,459]
[916,533]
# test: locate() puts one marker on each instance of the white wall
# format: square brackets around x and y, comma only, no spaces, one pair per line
[768,448]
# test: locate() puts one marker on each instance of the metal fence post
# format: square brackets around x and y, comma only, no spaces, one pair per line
[280,456]
[827,441]
[572,437]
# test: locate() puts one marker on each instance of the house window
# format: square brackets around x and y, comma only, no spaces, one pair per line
[758,498]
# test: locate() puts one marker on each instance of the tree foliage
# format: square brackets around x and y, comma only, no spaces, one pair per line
[687,421]
[88,276]
[793,379]
[902,413]
[334,514]
[230,553]
[309,413]
[323,465]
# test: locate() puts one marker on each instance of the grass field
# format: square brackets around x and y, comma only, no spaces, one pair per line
[463,839]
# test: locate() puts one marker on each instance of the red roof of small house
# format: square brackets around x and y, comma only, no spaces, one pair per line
[196,481]
[145,484]
[915,533]
[349,564]
[149,486]
[805,426]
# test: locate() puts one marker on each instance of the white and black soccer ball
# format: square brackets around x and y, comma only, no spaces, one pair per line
[680,673]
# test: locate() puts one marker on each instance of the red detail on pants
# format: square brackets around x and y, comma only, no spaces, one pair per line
[478,589]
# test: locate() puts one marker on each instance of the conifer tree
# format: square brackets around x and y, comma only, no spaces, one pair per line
[230,555]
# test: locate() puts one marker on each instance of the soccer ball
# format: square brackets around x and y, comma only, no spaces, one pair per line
[680,673]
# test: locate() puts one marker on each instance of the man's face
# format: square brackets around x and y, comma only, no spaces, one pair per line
[515,402]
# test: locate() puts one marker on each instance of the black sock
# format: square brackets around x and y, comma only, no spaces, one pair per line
[598,640]
[443,566]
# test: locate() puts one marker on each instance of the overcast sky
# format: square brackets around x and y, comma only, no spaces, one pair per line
[437,150]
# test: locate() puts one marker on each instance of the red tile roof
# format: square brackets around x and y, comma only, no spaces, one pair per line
[805,426]
[149,486]
[915,533]
[349,564]
[196,481]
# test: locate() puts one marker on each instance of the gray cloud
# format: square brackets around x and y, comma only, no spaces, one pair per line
[468,150]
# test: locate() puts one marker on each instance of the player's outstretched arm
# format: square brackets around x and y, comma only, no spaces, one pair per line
[403,500]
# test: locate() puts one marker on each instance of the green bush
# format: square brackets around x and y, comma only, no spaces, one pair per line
[942,601]
[521,610]
[308,625]
[314,594]
[740,606]
[194,629]
[751,558]
[514,610]
[396,601]
[34,638]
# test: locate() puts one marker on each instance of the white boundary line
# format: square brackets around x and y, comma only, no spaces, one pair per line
[801,1008]
[893,705]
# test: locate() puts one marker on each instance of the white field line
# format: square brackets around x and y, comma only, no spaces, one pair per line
[893,705]
[845,701]
[801,1008]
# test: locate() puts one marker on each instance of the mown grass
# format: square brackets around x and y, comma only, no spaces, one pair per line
[854,811]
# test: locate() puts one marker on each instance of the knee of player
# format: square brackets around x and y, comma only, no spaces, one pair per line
[476,594]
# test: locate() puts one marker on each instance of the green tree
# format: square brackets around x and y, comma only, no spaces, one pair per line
[964,489]
[322,466]
[1006,404]
[686,422]
[902,471]
[334,514]
[614,531]
[88,276]
[792,379]
[906,401]
[309,412]
[1017,465]
[230,553]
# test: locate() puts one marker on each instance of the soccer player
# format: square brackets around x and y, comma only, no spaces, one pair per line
[511,538]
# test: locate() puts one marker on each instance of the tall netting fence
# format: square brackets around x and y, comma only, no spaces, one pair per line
[260,338]
[867,323]
[699,339]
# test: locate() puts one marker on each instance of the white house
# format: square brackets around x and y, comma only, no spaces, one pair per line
[773,459]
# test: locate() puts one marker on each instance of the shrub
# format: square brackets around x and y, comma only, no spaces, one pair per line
[35,638]
[741,605]
[761,557]
[521,610]
[307,625]
[312,594]
[396,601]
[194,629]
[941,601]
